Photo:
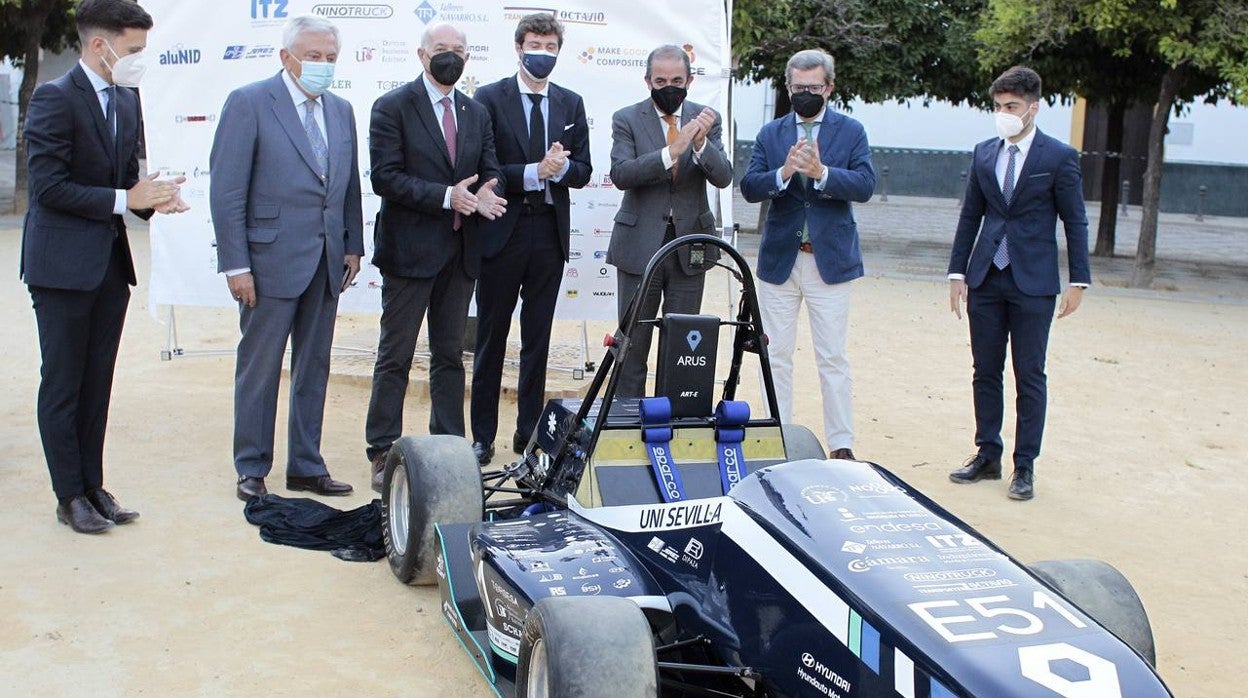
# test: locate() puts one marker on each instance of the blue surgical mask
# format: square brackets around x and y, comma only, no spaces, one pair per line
[539,64]
[316,77]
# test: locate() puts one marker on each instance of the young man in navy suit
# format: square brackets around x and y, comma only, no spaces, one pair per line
[82,136]
[541,136]
[1004,268]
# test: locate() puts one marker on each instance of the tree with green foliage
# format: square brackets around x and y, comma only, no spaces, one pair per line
[1181,49]
[26,26]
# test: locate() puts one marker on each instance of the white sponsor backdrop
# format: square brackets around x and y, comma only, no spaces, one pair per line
[200,51]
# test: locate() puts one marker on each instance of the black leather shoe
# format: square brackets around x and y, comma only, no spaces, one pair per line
[378,468]
[482,452]
[518,443]
[108,507]
[977,468]
[842,454]
[323,485]
[1022,484]
[249,487]
[77,513]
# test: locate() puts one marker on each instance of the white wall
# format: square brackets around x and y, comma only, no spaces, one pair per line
[1204,133]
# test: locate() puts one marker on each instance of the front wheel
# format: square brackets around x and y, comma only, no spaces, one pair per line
[1105,594]
[586,647]
[429,480]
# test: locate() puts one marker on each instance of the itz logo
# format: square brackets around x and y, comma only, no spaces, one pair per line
[694,338]
[268,9]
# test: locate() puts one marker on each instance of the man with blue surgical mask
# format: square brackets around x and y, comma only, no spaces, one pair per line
[541,136]
[286,207]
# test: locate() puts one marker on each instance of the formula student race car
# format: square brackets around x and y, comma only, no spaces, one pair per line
[669,546]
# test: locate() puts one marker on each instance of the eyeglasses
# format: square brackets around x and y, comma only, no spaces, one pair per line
[813,89]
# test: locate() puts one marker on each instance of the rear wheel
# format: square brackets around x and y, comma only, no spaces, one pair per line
[1106,595]
[800,443]
[428,480]
[586,647]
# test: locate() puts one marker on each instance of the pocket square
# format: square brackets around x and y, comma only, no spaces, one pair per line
[565,128]
[1042,174]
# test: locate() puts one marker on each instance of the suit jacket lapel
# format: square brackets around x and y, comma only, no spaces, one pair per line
[87,93]
[286,115]
[335,128]
[988,165]
[126,120]
[462,124]
[652,127]
[1034,154]
[424,111]
[555,119]
[514,109]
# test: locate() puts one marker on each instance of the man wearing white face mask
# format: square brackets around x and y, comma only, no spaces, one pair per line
[286,207]
[1004,268]
[82,135]
[541,136]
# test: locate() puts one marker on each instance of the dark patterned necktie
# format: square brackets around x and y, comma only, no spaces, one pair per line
[537,145]
[319,148]
[1002,258]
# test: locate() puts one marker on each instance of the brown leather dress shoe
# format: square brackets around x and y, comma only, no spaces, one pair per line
[323,485]
[977,468]
[842,454]
[249,487]
[378,468]
[108,507]
[77,513]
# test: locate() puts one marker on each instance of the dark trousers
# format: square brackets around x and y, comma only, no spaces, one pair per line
[1000,314]
[677,291]
[79,332]
[404,304]
[529,268]
[308,322]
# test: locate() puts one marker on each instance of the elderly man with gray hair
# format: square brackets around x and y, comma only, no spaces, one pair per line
[434,167]
[286,208]
[811,164]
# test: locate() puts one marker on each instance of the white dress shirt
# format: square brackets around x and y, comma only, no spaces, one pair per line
[435,97]
[666,153]
[531,180]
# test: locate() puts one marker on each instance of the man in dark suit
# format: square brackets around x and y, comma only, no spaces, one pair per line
[286,209]
[811,164]
[1004,267]
[541,136]
[82,135]
[664,150]
[433,165]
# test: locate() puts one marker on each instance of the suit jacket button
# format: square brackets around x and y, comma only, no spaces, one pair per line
[807,204]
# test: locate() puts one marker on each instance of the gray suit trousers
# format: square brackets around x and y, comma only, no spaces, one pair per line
[404,303]
[308,321]
[677,291]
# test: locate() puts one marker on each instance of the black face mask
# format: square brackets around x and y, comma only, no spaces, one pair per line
[806,104]
[446,67]
[669,99]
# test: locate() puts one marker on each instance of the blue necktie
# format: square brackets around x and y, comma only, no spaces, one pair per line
[319,149]
[1002,258]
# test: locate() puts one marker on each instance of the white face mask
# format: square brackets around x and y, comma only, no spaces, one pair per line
[1008,125]
[127,70]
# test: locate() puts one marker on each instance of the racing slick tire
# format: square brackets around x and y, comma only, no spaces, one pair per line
[1105,594]
[586,647]
[800,443]
[428,480]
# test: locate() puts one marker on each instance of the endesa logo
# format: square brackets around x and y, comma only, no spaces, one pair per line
[180,56]
[353,11]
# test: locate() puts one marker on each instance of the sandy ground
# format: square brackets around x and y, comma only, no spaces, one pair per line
[1146,430]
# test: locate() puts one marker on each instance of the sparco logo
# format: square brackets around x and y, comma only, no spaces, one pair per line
[353,11]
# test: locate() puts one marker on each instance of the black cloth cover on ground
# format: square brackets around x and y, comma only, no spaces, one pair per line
[353,535]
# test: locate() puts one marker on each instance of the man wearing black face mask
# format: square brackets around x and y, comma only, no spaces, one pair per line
[811,164]
[664,150]
[433,165]
[542,139]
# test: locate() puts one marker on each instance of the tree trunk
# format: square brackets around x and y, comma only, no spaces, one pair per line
[34,17]
[1146,254]
[1107,228]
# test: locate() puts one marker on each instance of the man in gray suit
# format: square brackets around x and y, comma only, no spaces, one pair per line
[285,201]
[664,150]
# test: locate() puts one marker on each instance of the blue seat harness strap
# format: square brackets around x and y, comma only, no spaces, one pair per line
[656,432]
[731,416]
